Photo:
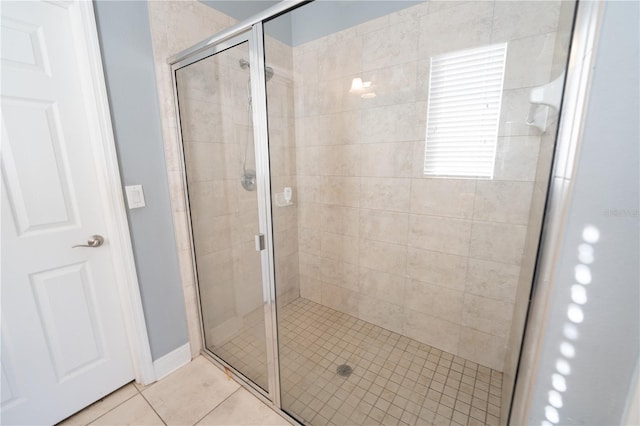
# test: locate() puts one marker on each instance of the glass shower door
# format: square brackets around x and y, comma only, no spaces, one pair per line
[214,101]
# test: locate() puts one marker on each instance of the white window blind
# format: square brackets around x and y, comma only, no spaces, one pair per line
[463,113]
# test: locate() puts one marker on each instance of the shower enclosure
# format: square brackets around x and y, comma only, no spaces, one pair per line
[366,197]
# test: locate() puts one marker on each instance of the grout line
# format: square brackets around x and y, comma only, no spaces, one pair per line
[113,408]
[154,409]
[222,402]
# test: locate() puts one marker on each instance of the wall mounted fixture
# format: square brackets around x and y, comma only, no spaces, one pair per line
[549,96]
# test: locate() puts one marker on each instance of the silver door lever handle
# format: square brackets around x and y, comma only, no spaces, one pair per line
[94,241]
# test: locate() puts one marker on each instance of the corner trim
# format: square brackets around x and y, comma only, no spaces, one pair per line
[170,362]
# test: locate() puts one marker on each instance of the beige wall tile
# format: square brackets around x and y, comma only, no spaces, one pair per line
[503,201]
[305,65]
[309,189]
[529,61]
[310,241]
[395,84]
[440,333]
[311,288]
[461,26]
[340,56]
[308,160]
[339,128]
[340,247]
[211,233]
[442,234]
[382,286]
[339,273]
[340,299]
[394,123]
[525,18]
[213,198]
[506,248]
[389,194]
[332,96]
[342,191]
[434,300]
[442,269]
[378,311]
[391,45]
[433,197]
[380,225]
[199,157]
[373,25]
[339,160]
[340,219]
[309,265]
[386,159]
[309,215]
[488,350]
[385,257]
[412,13]
[487,315]
[516,158]
[306,128]
[493,280]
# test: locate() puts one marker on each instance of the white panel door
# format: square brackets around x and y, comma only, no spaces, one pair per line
[64,343]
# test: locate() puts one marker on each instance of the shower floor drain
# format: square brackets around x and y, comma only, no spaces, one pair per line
[344,370]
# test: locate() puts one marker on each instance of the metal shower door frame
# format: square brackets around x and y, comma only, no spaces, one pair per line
[566,148]
[253,35]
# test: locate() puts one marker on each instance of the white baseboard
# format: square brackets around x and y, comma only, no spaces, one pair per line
[169,363]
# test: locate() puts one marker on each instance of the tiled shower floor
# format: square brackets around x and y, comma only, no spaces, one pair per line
[395,380]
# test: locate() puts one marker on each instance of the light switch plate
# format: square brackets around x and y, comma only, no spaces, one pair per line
[135,196]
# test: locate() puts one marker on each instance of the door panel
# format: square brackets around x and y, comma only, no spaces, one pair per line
[64,339]
[214,102]
[33,126]
[65,300]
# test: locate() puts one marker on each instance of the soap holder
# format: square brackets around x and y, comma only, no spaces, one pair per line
[284,198]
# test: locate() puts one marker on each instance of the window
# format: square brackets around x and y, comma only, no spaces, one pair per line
[463,113]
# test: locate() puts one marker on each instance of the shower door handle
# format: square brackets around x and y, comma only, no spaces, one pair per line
[259,242]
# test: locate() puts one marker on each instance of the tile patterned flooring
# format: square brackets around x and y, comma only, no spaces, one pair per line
[395,381]
[196,394]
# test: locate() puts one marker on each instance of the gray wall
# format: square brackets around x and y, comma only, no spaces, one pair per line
[606,195]
[125,42]
[315,20]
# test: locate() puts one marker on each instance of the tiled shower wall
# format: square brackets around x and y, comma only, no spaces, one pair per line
[437,260]
[378,240]
[282,159]
[176,26]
